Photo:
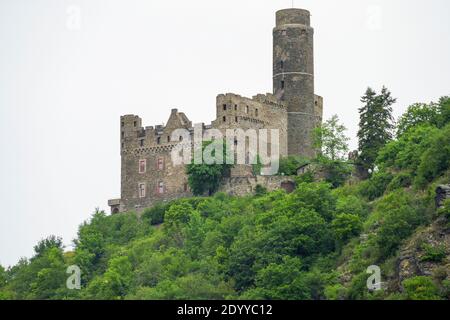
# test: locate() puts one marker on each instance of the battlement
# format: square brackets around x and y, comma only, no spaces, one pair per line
[293,16]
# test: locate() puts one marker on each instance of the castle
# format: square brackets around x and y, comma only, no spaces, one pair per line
[148,175]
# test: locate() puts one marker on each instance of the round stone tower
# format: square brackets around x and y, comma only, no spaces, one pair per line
[293,76]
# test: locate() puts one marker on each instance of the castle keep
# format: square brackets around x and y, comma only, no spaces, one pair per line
[148,175]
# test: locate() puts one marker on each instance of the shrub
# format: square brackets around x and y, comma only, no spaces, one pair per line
[421,288]
[433,253]
[260,190]
[290,164]
[376,185]
[436,159]
[155,215]
[401,180]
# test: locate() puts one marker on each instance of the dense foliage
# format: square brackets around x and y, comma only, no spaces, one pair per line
[314,243]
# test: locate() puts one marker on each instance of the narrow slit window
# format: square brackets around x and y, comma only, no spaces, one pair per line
[282,84]
[141,190]
[160,187]
[160,164]
[142,165]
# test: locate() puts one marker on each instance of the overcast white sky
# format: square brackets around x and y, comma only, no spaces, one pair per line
[65,81]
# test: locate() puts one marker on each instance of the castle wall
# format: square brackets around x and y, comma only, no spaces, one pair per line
[293,109]
[241,186]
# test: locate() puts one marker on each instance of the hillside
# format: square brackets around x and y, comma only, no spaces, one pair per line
[314,243]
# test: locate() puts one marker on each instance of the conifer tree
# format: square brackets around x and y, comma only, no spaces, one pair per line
[376,125]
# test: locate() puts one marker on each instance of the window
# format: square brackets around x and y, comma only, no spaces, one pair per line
[160,187]
[282,84]
[235,119]
[224,118]
[256,112]
[168,138]
[224,107]
[141,190]
[160,164]
[122,124]
[181,138]
[158,140]
[185,187]
[122,134]
[134,123]
[142,165]
[246,109]
[281,64]
[141,142]
[235,107]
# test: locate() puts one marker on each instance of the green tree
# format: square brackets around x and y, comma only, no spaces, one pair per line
[205,178]
[48,243]
[330,138]
[375,125]
[283,281]
[115,282]
[346,226]
[2,276]
[416,115]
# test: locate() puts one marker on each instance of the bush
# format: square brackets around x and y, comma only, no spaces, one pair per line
[155,215]
[401,180]
[399,215]
[376,185]
[436,159]
[421,288]
[346,226]
[336,171]
[260,190]
[433,253]
[290,164]
[445,209]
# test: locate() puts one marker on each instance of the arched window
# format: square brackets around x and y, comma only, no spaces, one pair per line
[246,109]
[158,140]
[224,119]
